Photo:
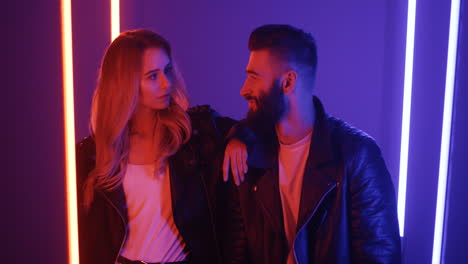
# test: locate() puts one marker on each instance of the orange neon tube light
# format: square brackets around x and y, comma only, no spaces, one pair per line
[115,19]
[69,125]
[69,120]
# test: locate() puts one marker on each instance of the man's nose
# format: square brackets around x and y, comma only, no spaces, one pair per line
[244,90]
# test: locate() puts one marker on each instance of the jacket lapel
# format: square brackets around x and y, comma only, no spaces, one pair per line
[263,158]
[269,199]
[318,174]
[190,204]
[117,200]
[268,194]
[181,187]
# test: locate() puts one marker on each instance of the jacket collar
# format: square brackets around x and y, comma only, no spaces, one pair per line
[321,147]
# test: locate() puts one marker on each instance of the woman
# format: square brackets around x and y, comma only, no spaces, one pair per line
[148,175]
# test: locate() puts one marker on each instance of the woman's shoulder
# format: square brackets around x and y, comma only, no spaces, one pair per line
[86,146]
[202,111]
[85,156]
[205,119]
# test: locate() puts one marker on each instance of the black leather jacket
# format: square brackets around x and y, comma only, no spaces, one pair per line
[196,196]
[347,210]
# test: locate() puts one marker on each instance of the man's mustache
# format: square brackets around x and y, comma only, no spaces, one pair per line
[248,98]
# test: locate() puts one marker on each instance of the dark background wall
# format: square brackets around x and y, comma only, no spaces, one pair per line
[33,185]
[356,43]
[360,79]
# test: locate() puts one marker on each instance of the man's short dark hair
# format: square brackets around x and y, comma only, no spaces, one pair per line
[286,43]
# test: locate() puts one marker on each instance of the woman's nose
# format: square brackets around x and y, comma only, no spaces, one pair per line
[165,83]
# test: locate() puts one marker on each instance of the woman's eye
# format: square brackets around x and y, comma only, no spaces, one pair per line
[168,69]
[153,76]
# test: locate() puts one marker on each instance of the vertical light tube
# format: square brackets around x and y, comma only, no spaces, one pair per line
[115,19]
[406,114]
[69,125]
[446,132]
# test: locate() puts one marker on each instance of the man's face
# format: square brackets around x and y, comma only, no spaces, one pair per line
[262,90]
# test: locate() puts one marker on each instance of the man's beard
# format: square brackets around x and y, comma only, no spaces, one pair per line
[269,111]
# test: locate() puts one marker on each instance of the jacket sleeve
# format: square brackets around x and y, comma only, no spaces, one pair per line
[374,223]
[209,135]
[242,132]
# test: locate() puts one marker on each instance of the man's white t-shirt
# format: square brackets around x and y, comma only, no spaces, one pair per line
[292,161]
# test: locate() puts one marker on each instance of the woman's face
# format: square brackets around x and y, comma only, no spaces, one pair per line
[156,83]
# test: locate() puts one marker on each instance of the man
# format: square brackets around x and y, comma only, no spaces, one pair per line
[317,190]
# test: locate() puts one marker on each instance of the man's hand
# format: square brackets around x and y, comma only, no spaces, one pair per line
[235,156]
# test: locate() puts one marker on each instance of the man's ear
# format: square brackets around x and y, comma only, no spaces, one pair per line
[288,83]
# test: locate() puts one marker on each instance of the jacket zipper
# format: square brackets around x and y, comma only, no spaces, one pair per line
[125,226]
[308,220]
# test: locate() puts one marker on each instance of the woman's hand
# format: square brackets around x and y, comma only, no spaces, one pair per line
[235,156]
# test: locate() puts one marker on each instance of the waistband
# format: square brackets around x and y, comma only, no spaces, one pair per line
[124,260]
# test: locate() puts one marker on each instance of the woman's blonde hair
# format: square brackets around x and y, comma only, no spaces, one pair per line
[114,103]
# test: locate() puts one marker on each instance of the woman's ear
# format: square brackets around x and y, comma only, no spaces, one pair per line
[288,83]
